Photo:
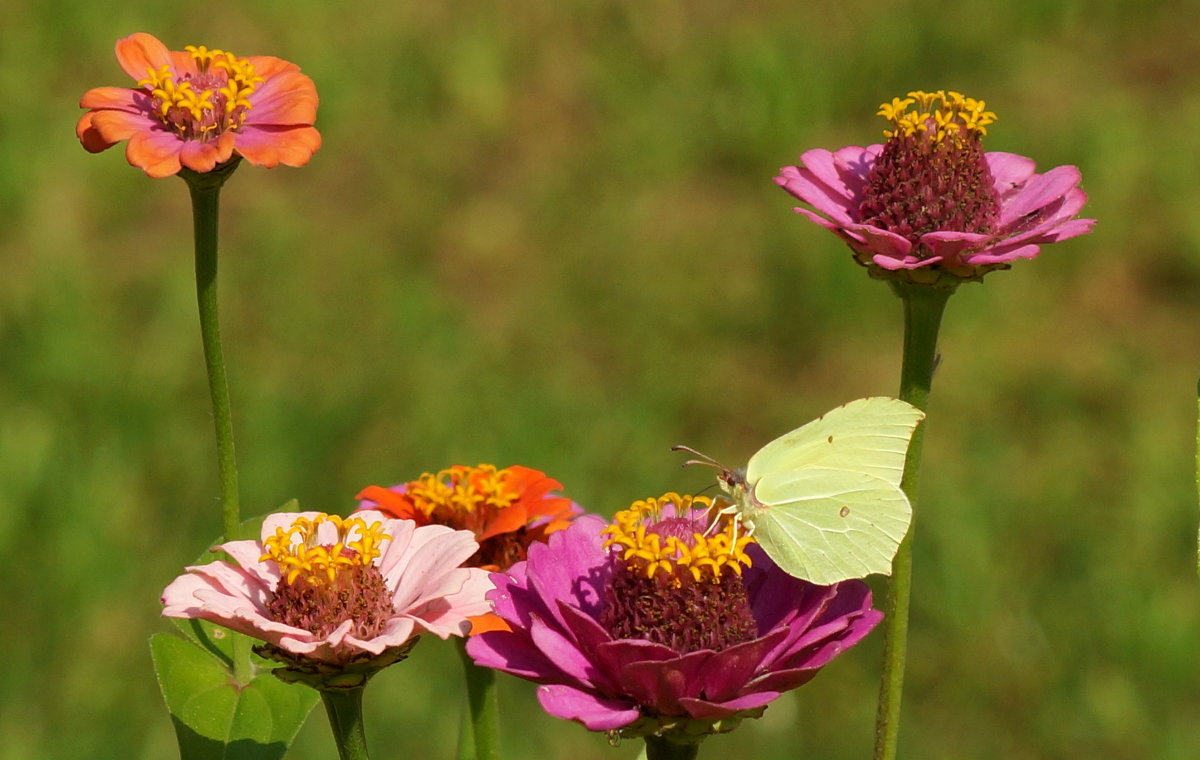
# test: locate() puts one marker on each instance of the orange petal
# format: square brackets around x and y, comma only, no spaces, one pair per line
[89,136]
[391,503]
[156,153]
[488,622]
[269,146]
[122,98]
[115,126]
[183,62]
[202,157]
[139,52]
[289,98]
[267,66]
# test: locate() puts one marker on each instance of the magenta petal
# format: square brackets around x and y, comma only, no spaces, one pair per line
[615,655]
[703,709]
[511,653]
[877,242]
[782,680]
[948,246]
[595,712]
[571,566]
[728,671]
[561,653]
[800,182]
[660,685]
[1000,255]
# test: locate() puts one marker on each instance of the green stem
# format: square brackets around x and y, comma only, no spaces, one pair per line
[662,748]
[484,707]
[344,708]
[1198,468]
[923,308]
[206,195]
[205,207]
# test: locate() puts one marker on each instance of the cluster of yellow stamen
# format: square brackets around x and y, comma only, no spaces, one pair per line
[939,114]
[216,100]
[461,490]
[650,546]
[297,552]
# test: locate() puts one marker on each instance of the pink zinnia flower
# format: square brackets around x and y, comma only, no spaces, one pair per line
[929,205]
[334,591]
[198,108]
[670,627]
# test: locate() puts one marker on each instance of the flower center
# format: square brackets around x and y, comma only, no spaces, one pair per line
[329,575]
[677,579]
[932,174]
[203,105]
[466,498]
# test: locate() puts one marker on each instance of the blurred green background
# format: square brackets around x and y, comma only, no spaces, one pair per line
[545,232]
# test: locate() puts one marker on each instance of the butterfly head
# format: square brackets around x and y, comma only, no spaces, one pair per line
[730,480]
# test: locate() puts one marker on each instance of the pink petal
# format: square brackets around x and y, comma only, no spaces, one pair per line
[1009,170]
[877,242]
[139,53]
[595,712]
[947,246]
[562,653]
[1040,191]
[826,200]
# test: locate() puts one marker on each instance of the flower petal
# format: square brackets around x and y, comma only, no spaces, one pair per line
[287,99]
[703,709]
[141,53]
[595,712]
[659,685]
[156,153]
[1009,170]
[1040,191]
[269,146]
[90,137]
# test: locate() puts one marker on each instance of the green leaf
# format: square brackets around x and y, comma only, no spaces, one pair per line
[216,720]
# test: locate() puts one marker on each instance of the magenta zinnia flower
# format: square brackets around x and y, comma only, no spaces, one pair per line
[668,627]
[333,592]
[198,108]
[929,205]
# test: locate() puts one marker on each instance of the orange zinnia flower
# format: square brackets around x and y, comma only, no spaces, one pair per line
[507,510]
[199,108]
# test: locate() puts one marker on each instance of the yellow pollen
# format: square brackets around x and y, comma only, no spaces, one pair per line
[461,490]
[214,100]
[705,556]
[296,551]
[942,114]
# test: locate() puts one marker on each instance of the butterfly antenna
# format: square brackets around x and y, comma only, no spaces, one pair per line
[704,459]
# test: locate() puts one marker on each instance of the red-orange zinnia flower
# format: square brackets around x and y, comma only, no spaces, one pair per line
[197,108]
[507,510]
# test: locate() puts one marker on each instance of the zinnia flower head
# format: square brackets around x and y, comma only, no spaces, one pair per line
[507,509]
[664,622]
[200,108]
[332,595]
[929,206]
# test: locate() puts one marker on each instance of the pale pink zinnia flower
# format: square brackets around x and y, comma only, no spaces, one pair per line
[332,591]
[198,108]
[929,205]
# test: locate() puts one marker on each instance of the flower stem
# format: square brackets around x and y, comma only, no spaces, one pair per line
[206,195]
[484,706]
[923,308]
[661,748]
[205,189]
[344,708]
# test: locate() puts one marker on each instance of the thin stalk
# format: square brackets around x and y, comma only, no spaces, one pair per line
[923,309]
[344,708]
[661,748]
[206,195]
[484,703]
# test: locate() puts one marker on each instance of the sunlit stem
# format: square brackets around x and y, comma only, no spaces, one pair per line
[1198,468]
[484,704]
[923,308]
[344,708]
[661,748]
[206,192]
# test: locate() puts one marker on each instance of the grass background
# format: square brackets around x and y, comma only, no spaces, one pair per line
[546,233]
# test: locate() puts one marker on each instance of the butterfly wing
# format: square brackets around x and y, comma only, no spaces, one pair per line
[870,436]
[828,525]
